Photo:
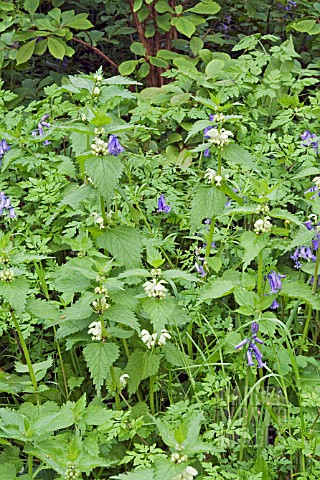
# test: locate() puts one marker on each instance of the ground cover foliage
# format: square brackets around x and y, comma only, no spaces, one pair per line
[159,244]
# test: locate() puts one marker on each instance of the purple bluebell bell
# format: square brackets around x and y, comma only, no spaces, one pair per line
[206,153]
[274,305]
[200,269]
[4,147]
[274,279]
[253,350]
[313,189]
[114,147]
[310,139]
[40,130]
[5,204]
[162,206]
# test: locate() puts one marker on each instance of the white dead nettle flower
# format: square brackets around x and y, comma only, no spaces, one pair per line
[263,209]
[100,305]
[99,131]
[148,338]
[95,329]
[164,336]
[262,225]
[101,291]
[156,272]
[219,117]
[98,219]
[99,147]
[316,180]
[7,275]
[178,458]
[187,474]
[219,137]
[155,288]
[151,339]
[213,177]
[83,117]
[98,78]
[123,380]
[96,91]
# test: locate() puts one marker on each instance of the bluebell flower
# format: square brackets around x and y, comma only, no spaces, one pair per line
[200,269]
[114,147]
[4,147]
[40,131]
[253,350]
[5,204]
[206,153]
[274,279]
[310,139]
[274,305]
[162,206]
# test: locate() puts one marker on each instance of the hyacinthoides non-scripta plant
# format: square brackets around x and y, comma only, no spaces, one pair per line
[163,296]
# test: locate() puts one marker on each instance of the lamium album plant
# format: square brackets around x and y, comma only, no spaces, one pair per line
[159,242]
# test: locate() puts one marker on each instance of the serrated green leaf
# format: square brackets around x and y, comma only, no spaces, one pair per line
[206,203]
[15,292]
[141,474]
[100,356]
[25,52]
[123,315]
[284,215]
[124,243]
[252,244]
[159,311]
[105,173]
[303,237]
[215,289]
[302,291]
[141,365]
[237,155]
[175,356]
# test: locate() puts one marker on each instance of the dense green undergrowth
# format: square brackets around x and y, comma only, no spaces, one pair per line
[159,266]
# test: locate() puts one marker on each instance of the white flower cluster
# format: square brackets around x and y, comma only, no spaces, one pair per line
[7,275]
[316,180]
[97,78]
[213,177]
[156,272]
[98,219]
[219,137]
[101,304]
[187,474]
[95,329]
[264,209]
[262,225]
[151,339]
[96,91]
[219,117]
[72,473]
[155,288]
[178,458]
[99,147]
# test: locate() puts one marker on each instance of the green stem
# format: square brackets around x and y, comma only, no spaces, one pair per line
[209,239]
[260,275]
[103,210]
[314,287]
[151,394]
[219,162]
[25,351]
[116,395]
[126,347]
[30,465]
[62,365]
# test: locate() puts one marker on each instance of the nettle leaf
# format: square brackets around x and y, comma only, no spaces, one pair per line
[105,173]
[303,237]
[25,52]
[141,365]
[284,215]
[253,244]
[15,292]
[160,311]
[302,291]
[75,276]
[141,474]
[123,315]
[206,203]
[237,155]
[215,289]
[124,243]
[99,357]
[175,356]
